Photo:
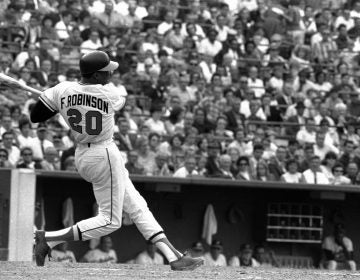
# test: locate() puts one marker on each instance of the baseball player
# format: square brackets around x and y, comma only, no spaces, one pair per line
[88,108]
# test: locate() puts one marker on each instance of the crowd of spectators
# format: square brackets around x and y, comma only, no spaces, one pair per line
[263,90]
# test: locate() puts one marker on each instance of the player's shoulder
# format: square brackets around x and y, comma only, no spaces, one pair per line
[62,86]
[118,90]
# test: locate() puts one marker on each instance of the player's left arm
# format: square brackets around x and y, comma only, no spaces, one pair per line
[41,112]
[46,107]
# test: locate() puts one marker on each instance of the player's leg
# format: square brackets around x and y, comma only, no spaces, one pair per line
[96,166]
[137,208]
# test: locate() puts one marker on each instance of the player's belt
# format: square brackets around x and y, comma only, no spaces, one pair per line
[103,143]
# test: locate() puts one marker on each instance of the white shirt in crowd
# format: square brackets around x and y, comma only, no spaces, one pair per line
[88,46]
[322,151]
[25,141]
[257,86]
[35,146]
[182,172]
[164,27]
[208,48]
[292,178]
[311,177]
[14,155]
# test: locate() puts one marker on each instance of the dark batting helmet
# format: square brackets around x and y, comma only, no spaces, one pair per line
[96,61]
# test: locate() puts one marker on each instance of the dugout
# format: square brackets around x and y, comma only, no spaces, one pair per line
[246,212]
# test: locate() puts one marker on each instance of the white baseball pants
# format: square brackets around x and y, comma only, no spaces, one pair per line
[102,165]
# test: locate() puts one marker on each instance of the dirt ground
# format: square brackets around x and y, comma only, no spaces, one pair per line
[57,271]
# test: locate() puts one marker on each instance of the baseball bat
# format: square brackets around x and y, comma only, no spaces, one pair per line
[11,82]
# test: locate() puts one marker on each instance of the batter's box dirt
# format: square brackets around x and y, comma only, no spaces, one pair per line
[85,271]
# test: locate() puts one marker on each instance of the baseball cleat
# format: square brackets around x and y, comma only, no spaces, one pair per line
[41,248]
[186,263]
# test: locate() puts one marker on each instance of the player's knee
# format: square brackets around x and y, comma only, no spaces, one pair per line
[116,222]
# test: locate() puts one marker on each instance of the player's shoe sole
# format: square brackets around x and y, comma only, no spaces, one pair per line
[42,249]
[186,263]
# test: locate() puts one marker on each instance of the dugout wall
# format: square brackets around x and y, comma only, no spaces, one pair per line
[179,204]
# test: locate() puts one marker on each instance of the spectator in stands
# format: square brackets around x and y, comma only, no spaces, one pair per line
[256,158]
[307,135]
[244,169]
[263,174]
[338,250]
[352,172]
[167,24]
[51,160]
[4,162]
[244,257]
[298,120]
[6,124]
[224,166]
[215,257]
[13,151]
[24,138]
[339,178]
[234,156]
[43,73]
[240,142]
[122,138]
[103,254]
[154,141]
[291,175]
[197,250]
[22,57]
[109,18]
[349,154]
[146,157]
[40,142]
[212,164]
[314,175]
[93,43]
[60,253]
[150,256]
[154,122]
[321,148]
[188,170]
[175,120]
[69,164]
[161,166]
[132,165]
[26,160]
[328,164]
[210,46]
[277,164]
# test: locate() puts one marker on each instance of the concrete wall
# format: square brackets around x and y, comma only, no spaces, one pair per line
[5,178]
[181,214]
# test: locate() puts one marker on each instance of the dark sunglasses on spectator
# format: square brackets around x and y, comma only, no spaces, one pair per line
[243,164]
[338,170]
[3,155]
[27,154]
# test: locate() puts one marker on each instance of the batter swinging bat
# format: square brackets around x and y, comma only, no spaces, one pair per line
[11,82]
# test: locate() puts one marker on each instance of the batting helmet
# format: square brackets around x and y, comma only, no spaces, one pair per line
[96,61]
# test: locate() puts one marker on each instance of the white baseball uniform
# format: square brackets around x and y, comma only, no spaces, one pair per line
[89,110]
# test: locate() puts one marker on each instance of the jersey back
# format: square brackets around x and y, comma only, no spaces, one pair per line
[87,109]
